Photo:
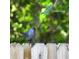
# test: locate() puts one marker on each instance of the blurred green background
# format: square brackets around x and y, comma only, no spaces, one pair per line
[49,17]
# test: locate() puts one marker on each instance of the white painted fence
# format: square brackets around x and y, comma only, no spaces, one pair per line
[63,51]
[39,51]
[16,51]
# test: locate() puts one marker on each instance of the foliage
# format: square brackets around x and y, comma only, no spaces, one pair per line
[50,19]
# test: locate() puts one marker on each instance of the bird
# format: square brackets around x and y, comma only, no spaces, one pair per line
[29,34]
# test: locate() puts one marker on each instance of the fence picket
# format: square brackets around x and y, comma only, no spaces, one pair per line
[39,51]
[62,52]
[27,51]
[52,51]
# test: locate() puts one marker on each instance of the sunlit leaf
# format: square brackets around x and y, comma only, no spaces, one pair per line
[42,17]
[13,8]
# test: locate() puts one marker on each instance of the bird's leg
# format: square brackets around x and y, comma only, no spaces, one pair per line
[30,42]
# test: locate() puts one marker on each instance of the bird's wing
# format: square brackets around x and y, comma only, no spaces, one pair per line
[31,32]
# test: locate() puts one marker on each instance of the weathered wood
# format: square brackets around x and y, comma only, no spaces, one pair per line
[13,52]
[39,51]
[16,51]
[62,52]
[52,51]
[27,51]
[19,51]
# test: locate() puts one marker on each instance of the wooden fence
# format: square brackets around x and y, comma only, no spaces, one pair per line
[39,51]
